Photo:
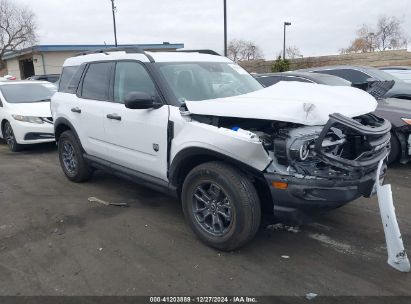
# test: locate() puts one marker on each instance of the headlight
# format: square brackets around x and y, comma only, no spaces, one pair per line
[300,150]
[30,119]
[407,120]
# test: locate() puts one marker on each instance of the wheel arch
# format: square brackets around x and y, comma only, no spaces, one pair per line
[189,158]
[61,125]
[3,123]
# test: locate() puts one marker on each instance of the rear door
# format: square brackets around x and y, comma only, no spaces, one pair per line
[92,96]
[137,139]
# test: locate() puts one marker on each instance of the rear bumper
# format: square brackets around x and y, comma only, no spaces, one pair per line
[306,197]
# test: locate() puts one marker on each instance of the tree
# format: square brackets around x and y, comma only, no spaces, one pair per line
[241,50]
[293,52]
[280,65]
[17,27]
[388,34]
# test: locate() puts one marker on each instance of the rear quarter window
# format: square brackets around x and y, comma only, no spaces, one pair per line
[70,79]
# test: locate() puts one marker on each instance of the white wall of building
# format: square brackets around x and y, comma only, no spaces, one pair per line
[53,62]
[13,68]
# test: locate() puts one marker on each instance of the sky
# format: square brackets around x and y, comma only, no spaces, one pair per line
[319,27]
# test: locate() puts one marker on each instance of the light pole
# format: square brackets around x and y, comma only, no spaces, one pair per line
[225,28]
[113,8]
[285,25]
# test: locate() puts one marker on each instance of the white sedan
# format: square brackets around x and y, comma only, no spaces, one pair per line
[25,114]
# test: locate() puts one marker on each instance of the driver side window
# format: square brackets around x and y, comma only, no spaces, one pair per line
[131,77]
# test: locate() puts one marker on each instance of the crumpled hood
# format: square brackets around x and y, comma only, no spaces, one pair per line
[296,102]
[37,109]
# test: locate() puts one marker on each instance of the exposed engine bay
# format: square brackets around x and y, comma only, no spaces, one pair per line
[343,149]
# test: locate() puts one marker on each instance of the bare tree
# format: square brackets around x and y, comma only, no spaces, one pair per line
[241,50]
[17,27]
[293,52]
[388,34]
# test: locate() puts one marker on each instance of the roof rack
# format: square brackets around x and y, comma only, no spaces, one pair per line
[202,51]
[128,50]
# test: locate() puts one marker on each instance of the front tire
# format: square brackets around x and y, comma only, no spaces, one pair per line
[71,158]
[8,135]
[221,205]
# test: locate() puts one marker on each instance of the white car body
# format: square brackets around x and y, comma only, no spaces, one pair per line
[308,104]
[22,129]
[306,146]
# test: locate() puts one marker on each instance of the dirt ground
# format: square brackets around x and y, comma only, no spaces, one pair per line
[54,242]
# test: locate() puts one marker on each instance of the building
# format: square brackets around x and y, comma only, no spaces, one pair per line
[48,59]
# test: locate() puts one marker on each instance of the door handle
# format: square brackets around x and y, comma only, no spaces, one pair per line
[76,110]
[114,117]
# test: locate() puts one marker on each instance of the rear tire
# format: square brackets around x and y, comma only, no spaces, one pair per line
[395,149]
[8,135]
[71,158]
[221,205]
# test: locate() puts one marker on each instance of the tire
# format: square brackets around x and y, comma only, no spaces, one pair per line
[395,149]
[232,214]
[10,139]
[71,158]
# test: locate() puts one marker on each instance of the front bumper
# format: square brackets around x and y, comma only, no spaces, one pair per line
[30,133]
[306,197]
[305,194]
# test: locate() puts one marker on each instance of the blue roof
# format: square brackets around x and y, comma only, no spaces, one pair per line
[87,47]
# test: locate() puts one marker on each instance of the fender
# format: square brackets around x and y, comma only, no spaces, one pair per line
[193,156]
[63,121]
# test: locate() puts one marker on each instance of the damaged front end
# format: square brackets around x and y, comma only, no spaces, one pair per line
[324,167]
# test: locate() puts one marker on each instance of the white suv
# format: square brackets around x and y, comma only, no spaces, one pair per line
[199,127]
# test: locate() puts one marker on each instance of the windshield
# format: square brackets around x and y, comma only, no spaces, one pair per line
[27,92]
[207,80]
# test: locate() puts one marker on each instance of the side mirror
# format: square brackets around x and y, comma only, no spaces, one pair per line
[141,100]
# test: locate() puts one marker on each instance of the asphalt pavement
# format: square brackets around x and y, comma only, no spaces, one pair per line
[53,241]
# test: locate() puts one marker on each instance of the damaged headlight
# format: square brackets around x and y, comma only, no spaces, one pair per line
[301,150]
[295,144]
[30,119]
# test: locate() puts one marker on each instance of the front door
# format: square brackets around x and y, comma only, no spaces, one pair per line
[137,139]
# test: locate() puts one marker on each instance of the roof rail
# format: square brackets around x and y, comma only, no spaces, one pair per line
[203,51]
[129,50]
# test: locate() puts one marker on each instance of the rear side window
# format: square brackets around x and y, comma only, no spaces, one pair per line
[96,82]
[353,76]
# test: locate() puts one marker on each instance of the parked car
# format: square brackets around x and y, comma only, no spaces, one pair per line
[53,78]
[7,77]
[270,79]
[201,128]
[397,111]
[401,72]
[25,113]
[361,75]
